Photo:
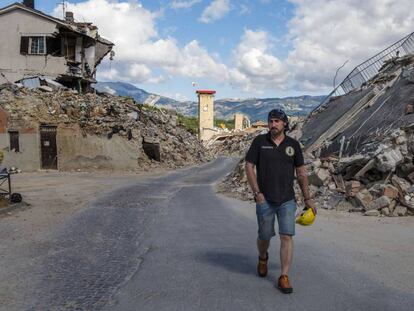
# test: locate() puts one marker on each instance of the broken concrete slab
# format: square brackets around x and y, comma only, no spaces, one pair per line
[390,191]
[388,160]
[379,203]
[401,184]
[357,159]
[366,168]
[319,177]
[45,88]
[400,211]
[363,199]
[339,182]
[344,206]
[386,211]
[352,187]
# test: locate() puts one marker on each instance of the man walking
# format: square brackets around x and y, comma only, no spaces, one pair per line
[276,156]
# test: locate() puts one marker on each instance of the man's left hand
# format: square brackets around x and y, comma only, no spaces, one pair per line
[310,204]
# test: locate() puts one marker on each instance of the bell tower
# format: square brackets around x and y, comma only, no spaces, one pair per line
[205,114]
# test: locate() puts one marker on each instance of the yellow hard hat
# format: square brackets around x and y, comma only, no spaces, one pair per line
[306,218]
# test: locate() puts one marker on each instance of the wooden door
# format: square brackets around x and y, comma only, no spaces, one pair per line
[48,147]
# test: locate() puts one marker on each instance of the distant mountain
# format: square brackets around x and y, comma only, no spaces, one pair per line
[254,108]
[258,108]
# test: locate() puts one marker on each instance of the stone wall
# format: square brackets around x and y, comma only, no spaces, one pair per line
[85,151]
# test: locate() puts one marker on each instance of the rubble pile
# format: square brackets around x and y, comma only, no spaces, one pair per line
[362,144]
[235,184]
[359,147]
[233,145]
[380,182]
[377,183]
[374,184]
[164,142]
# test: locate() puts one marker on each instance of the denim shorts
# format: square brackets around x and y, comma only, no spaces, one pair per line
[286,214]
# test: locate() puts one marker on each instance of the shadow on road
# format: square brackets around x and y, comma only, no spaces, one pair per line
[239,263]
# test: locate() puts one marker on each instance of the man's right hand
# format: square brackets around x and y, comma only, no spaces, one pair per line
[260,198]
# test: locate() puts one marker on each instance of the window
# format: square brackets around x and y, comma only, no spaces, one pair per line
[37,45]
[14,141]
[40,45]
[33,45]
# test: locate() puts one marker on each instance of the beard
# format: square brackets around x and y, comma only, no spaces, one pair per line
[274,132]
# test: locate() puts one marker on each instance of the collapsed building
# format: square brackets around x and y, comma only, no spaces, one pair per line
[372,101]
[241,122]
[359,143]
[36,44]
[64,130]
[361,137]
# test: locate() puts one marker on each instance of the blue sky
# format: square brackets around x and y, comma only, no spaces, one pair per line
[261,48]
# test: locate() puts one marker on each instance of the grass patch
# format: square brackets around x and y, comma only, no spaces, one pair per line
[190,123]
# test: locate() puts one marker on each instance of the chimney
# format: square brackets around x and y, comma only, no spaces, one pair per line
[29,3]
[69,17]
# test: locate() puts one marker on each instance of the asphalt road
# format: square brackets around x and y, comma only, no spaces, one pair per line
[172,243]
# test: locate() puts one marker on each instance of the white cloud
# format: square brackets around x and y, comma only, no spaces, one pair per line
[244,9]
[177,96]
[196,62]
[322,34]
[139,72]
[109,74]
[216,10]
[140,51]
[326,33]
[107,89]
[256,68]
[184,4]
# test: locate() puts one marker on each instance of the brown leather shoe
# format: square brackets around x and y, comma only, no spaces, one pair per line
[284,285]
[262,266]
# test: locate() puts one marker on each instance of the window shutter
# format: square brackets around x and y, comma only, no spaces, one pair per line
[24,45]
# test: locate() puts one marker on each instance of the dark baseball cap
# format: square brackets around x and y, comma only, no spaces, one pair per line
[279,114]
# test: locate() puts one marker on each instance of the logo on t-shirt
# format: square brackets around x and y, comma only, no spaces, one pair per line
[290,151]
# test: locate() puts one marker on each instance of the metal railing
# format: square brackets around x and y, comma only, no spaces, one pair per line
[368,69]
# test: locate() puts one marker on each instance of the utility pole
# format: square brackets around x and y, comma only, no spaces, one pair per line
[63,4]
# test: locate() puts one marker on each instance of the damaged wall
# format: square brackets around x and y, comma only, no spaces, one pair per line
[320,123]
[77,151]
[376,122]
[28,156]
[13,64]
[74,150]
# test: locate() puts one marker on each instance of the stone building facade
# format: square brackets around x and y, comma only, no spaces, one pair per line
[206,128]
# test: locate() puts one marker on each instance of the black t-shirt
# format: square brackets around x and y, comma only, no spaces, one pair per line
[275,166]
